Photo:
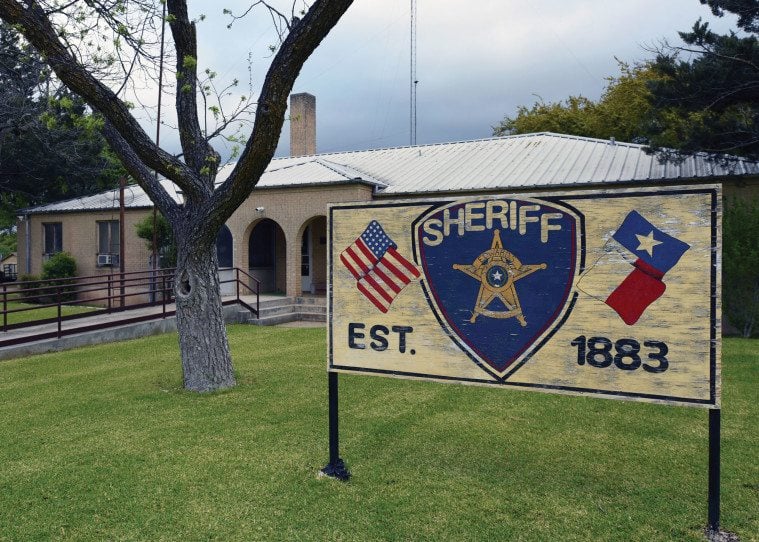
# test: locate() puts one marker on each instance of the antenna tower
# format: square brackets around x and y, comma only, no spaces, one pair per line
[412,80]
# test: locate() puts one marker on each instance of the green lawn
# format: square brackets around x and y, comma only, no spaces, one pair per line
[37,313]
[102,444]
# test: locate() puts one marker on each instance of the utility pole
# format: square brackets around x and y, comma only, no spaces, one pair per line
[122,182]
[412,80]
[158,136]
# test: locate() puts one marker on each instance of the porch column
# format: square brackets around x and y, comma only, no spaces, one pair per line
[240,247]
[293,265]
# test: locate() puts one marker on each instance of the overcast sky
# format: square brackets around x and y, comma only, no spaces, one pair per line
[477,61]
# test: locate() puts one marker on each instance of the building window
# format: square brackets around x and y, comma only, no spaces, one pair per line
[108,237]
[53,238]
[224,247]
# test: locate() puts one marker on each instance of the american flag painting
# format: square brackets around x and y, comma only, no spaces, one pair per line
[380,271]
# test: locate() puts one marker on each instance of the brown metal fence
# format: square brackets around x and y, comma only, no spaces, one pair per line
[103,294]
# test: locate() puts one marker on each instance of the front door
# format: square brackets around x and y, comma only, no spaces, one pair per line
[305,261]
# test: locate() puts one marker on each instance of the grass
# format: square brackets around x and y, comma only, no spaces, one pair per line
[102,444]
[36,313]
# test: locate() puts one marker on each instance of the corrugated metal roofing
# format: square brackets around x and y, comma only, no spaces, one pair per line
[304,171]
[134,198]
[534,160]
[512,162]
[523,161]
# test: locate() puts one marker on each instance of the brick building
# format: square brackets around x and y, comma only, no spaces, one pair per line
[279,234]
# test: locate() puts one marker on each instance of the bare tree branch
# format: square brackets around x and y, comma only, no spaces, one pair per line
[709,52]
[199,155]
[302,40]
[141,174]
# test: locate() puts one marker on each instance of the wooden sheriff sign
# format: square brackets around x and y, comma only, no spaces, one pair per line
[612,293]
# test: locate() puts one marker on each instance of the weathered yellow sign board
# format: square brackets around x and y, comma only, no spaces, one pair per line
[614,293]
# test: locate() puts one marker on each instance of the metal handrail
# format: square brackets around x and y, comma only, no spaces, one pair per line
[165,270]
[237,280]
[116,285]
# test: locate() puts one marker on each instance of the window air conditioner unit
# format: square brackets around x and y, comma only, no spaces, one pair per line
[106,260]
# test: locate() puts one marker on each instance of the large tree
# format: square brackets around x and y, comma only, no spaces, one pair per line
[708,101]
[48,25]
[709,90]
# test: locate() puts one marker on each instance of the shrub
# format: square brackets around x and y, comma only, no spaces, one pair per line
[30,281]
[60,266]
[740,264]
[28,278]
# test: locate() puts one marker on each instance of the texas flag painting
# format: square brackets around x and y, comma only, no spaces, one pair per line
[380,271]
[655,253]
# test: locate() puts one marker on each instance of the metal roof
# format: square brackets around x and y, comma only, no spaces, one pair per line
[134,198]
[304,171]
[527,161]
[538,160]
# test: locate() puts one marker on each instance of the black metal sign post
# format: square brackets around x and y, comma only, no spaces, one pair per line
[714,464]
[336,467]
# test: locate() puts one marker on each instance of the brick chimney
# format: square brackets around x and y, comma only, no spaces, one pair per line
[302,124]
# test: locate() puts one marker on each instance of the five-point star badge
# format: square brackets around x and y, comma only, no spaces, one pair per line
[498,270]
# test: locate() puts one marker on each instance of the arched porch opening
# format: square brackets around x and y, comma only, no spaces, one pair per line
[313,255]
[267,256]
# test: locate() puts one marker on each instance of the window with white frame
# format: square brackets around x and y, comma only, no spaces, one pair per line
[108,237]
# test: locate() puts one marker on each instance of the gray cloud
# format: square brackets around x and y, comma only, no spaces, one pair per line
[477,61]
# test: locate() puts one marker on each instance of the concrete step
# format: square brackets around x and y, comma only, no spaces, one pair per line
[320,301]
[288,313]
[273,311]
[286,309]
[317,309]
[288,317]
[271,302]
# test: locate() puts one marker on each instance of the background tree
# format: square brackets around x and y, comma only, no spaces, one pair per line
[702,96]
[622,112]
[61,31]
[51,147]
[7,243]
[570,116]
[710,100]
[165,244]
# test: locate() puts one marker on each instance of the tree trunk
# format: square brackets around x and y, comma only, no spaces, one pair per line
[206,361]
